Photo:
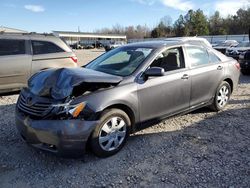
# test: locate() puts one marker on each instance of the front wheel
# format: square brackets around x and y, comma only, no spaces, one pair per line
[222,96]
[111,133]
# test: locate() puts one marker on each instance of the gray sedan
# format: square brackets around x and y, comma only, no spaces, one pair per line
[100,104]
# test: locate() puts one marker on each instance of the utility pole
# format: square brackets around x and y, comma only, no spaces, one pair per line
[78,32]
[249,34]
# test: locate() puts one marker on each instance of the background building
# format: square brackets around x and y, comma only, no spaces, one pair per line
[89,38]
[11,30]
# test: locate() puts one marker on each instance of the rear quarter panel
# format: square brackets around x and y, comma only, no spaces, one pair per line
[231,70]
[232,73]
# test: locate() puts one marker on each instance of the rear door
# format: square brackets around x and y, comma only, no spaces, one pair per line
[207,71]
[47,55]
[15,63]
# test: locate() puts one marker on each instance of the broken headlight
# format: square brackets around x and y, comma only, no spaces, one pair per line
[73,110]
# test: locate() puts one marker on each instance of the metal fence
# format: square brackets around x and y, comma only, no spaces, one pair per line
[216,38]
[210,38]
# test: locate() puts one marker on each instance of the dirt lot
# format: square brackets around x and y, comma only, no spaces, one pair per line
[85,56]
[200,149]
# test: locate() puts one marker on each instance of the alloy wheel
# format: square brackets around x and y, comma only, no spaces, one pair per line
[223,96]
[112,133]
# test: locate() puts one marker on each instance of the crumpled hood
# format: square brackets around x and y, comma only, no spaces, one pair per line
[59,83]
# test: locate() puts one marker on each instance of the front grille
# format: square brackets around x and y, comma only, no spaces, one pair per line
[35,108]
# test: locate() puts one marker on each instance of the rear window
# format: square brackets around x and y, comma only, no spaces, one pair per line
[44,47]
[197,55]
[213,58]
[12,47]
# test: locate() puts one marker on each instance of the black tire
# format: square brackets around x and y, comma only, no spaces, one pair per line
[106,117]
[217,105]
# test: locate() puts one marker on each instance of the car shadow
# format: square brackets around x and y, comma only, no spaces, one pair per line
[233,101]
[10,93]
[202,110]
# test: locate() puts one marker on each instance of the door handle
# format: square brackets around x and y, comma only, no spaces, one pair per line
[219,67]
[185,77]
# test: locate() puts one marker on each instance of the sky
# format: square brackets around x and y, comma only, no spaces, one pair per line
[90,15]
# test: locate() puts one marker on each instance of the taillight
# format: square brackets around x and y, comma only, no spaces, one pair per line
[74,58]
[237,65]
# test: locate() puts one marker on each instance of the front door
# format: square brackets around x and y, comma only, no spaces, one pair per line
[168,94]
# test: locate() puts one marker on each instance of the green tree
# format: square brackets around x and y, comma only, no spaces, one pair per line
[179,27]
[201,23]
[216,24]
[239,23]
[196,23]
[243,20]
[193,23]
[164,28]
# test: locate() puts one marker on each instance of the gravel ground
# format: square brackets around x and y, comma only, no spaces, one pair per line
[85,56]
[200,149]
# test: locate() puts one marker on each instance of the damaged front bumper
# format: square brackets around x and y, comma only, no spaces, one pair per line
[65,138]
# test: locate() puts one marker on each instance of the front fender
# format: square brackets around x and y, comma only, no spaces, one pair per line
[120,95]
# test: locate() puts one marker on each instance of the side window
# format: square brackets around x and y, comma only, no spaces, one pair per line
[213,58]
[44,47]
[170,59]
[197,55]
[12,47]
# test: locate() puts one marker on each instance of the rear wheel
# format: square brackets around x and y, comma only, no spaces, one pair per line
[111,134]
[222,96]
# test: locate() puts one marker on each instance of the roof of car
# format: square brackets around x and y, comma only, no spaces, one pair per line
[27,36]
[154,43]
[172,41]
[185,39]
[190,40]
[39,37]
[229,41]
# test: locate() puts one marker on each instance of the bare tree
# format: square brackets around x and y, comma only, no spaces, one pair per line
[167,20]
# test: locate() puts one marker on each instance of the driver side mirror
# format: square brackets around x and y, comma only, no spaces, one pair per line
[154,72]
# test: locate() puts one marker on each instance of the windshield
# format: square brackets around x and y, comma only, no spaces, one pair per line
[244,44]
[121,61]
